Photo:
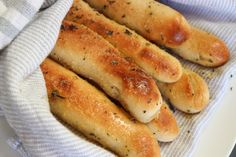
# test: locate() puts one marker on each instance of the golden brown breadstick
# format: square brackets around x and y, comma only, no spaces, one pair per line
[151,19]
[88,54]
[82,13]
[164,127]
[189,94]
[101,25]
[164,26]
[203,48]
[149,57]
[86,109]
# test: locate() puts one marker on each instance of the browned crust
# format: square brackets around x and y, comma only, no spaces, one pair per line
[190,94]
[147,18]
[135,138]
[169,29]
[161,63]
[134,80]
[172,32]
[85,108]
[135,88]
[164,127]
[177,33]
[153,60]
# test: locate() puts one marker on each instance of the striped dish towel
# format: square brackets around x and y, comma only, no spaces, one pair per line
[28,112]
[32,35]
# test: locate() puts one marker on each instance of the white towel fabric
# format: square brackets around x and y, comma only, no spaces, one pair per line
[23,97]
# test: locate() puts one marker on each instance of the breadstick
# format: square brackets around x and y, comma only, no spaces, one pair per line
[91,56]
[204,49]
[190,94]
[153,20]
[166,27]
[80,12]
[149,57]
[86,109]
[164,127]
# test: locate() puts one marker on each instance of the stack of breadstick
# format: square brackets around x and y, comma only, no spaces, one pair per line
[108,79]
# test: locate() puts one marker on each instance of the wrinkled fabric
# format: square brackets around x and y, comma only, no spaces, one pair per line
[23,97]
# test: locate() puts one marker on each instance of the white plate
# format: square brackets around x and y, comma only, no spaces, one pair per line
[218,137]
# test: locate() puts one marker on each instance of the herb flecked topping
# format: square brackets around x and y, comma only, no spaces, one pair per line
[127,32]
[55,93]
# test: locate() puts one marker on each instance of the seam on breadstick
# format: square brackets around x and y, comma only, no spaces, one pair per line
[189,94]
